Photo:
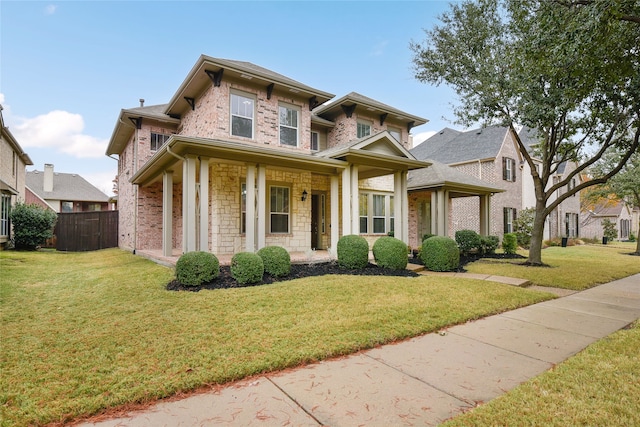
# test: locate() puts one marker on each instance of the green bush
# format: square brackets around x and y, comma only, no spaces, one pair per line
[610,230]
[353,251]
[523,226]
[510,243]
[196,268]
[426,236]
[276,259]
[468,241]
[247,267]
[489,244]
[440,253]
[390,252]
[32,225]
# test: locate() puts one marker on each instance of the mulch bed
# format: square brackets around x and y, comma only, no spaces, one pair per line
[225,280]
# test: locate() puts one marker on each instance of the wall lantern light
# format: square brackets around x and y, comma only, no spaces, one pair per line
[304,195]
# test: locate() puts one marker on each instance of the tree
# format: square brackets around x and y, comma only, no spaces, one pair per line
[32,225]
[523,226]
[567,70]
[625,185]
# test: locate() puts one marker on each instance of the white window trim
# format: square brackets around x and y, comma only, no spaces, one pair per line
[233,93]
[363,123]
[317,134]
[288,213]
[297,128]
[388,216]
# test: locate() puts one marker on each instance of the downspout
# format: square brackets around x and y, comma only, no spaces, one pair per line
[135,192]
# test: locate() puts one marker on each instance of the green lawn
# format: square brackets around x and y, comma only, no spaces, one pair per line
[573,267]
[84,332]
[600,386]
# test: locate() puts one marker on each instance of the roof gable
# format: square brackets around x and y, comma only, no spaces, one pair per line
[66,186]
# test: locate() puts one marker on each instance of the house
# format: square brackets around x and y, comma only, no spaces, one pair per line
[63,192]
[13,161]
[242,157]
[616,211]
[491,155]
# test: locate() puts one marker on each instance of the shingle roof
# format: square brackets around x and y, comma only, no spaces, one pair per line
[66,186]
[439,174]
[449,146]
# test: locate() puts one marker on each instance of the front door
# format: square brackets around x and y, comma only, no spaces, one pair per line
[315,221]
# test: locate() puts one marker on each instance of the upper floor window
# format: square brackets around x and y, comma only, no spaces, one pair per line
[571,185]
[158,140]
[315,141]
[14,164]
[364,129]
[242,110]
[288,126]
[279,209]
[66,206]
[508,169]
[396,133]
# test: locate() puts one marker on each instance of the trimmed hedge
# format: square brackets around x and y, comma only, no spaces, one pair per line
[440,253]
[510,243]
[276,259]
[353,251]
[247,267]
[32,225]
[196,268]
[489,244]
[390,252]
[468,241]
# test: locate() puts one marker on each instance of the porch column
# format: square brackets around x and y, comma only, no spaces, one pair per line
[250,206]
[405,206]
[485,202]
[355,201]
[445,213]
[346,201]
[167,213]
[398,207]
[335,216]
[434,213]
[262,206]
[189,204]
[204,204]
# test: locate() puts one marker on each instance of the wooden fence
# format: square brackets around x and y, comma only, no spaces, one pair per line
[86,231]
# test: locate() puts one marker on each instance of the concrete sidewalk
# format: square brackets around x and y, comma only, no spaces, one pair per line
[421,381]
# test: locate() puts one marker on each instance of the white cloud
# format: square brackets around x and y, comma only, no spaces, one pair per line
[50,9]
[2,98]
[61,131]
[419,138]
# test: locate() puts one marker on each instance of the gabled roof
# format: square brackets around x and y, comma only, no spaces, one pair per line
[439,175]
[66,186]
[332,109]
[125,126]
[610,208]
[208,68]
[376,155]
[450,147]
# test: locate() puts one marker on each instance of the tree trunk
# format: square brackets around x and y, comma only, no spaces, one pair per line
[537,235]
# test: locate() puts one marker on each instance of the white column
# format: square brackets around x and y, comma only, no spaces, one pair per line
[167,213]
[262,206]
[484,214]
[204,204]
[398,206]
[335,216]
[445,214]
[189,204]
[346,201]
[355,201]
[434,212]
[250,226]
[405,206]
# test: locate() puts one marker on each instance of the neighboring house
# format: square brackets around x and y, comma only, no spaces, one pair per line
[491,155]
[242,157]
[13,161]
[63,192]
[616,211]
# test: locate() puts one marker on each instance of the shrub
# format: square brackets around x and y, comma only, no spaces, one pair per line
[247,267]
[632,237]
[440,253]
[468,241]
[523,226]
[489,244]
[196,268]
[426,236]
[610,230]
[353,251]
[32,225]
[510,243]
[276,259]
[390,252]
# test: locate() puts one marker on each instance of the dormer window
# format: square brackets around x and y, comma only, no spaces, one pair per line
[364,129]
[288,126]
[242,110]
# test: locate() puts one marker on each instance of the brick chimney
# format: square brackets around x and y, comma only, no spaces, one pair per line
[48,177]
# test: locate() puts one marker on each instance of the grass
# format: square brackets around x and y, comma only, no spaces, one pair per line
[85,332]
[599,386]
[573,267]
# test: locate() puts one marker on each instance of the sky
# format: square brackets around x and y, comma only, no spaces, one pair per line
[67,68]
